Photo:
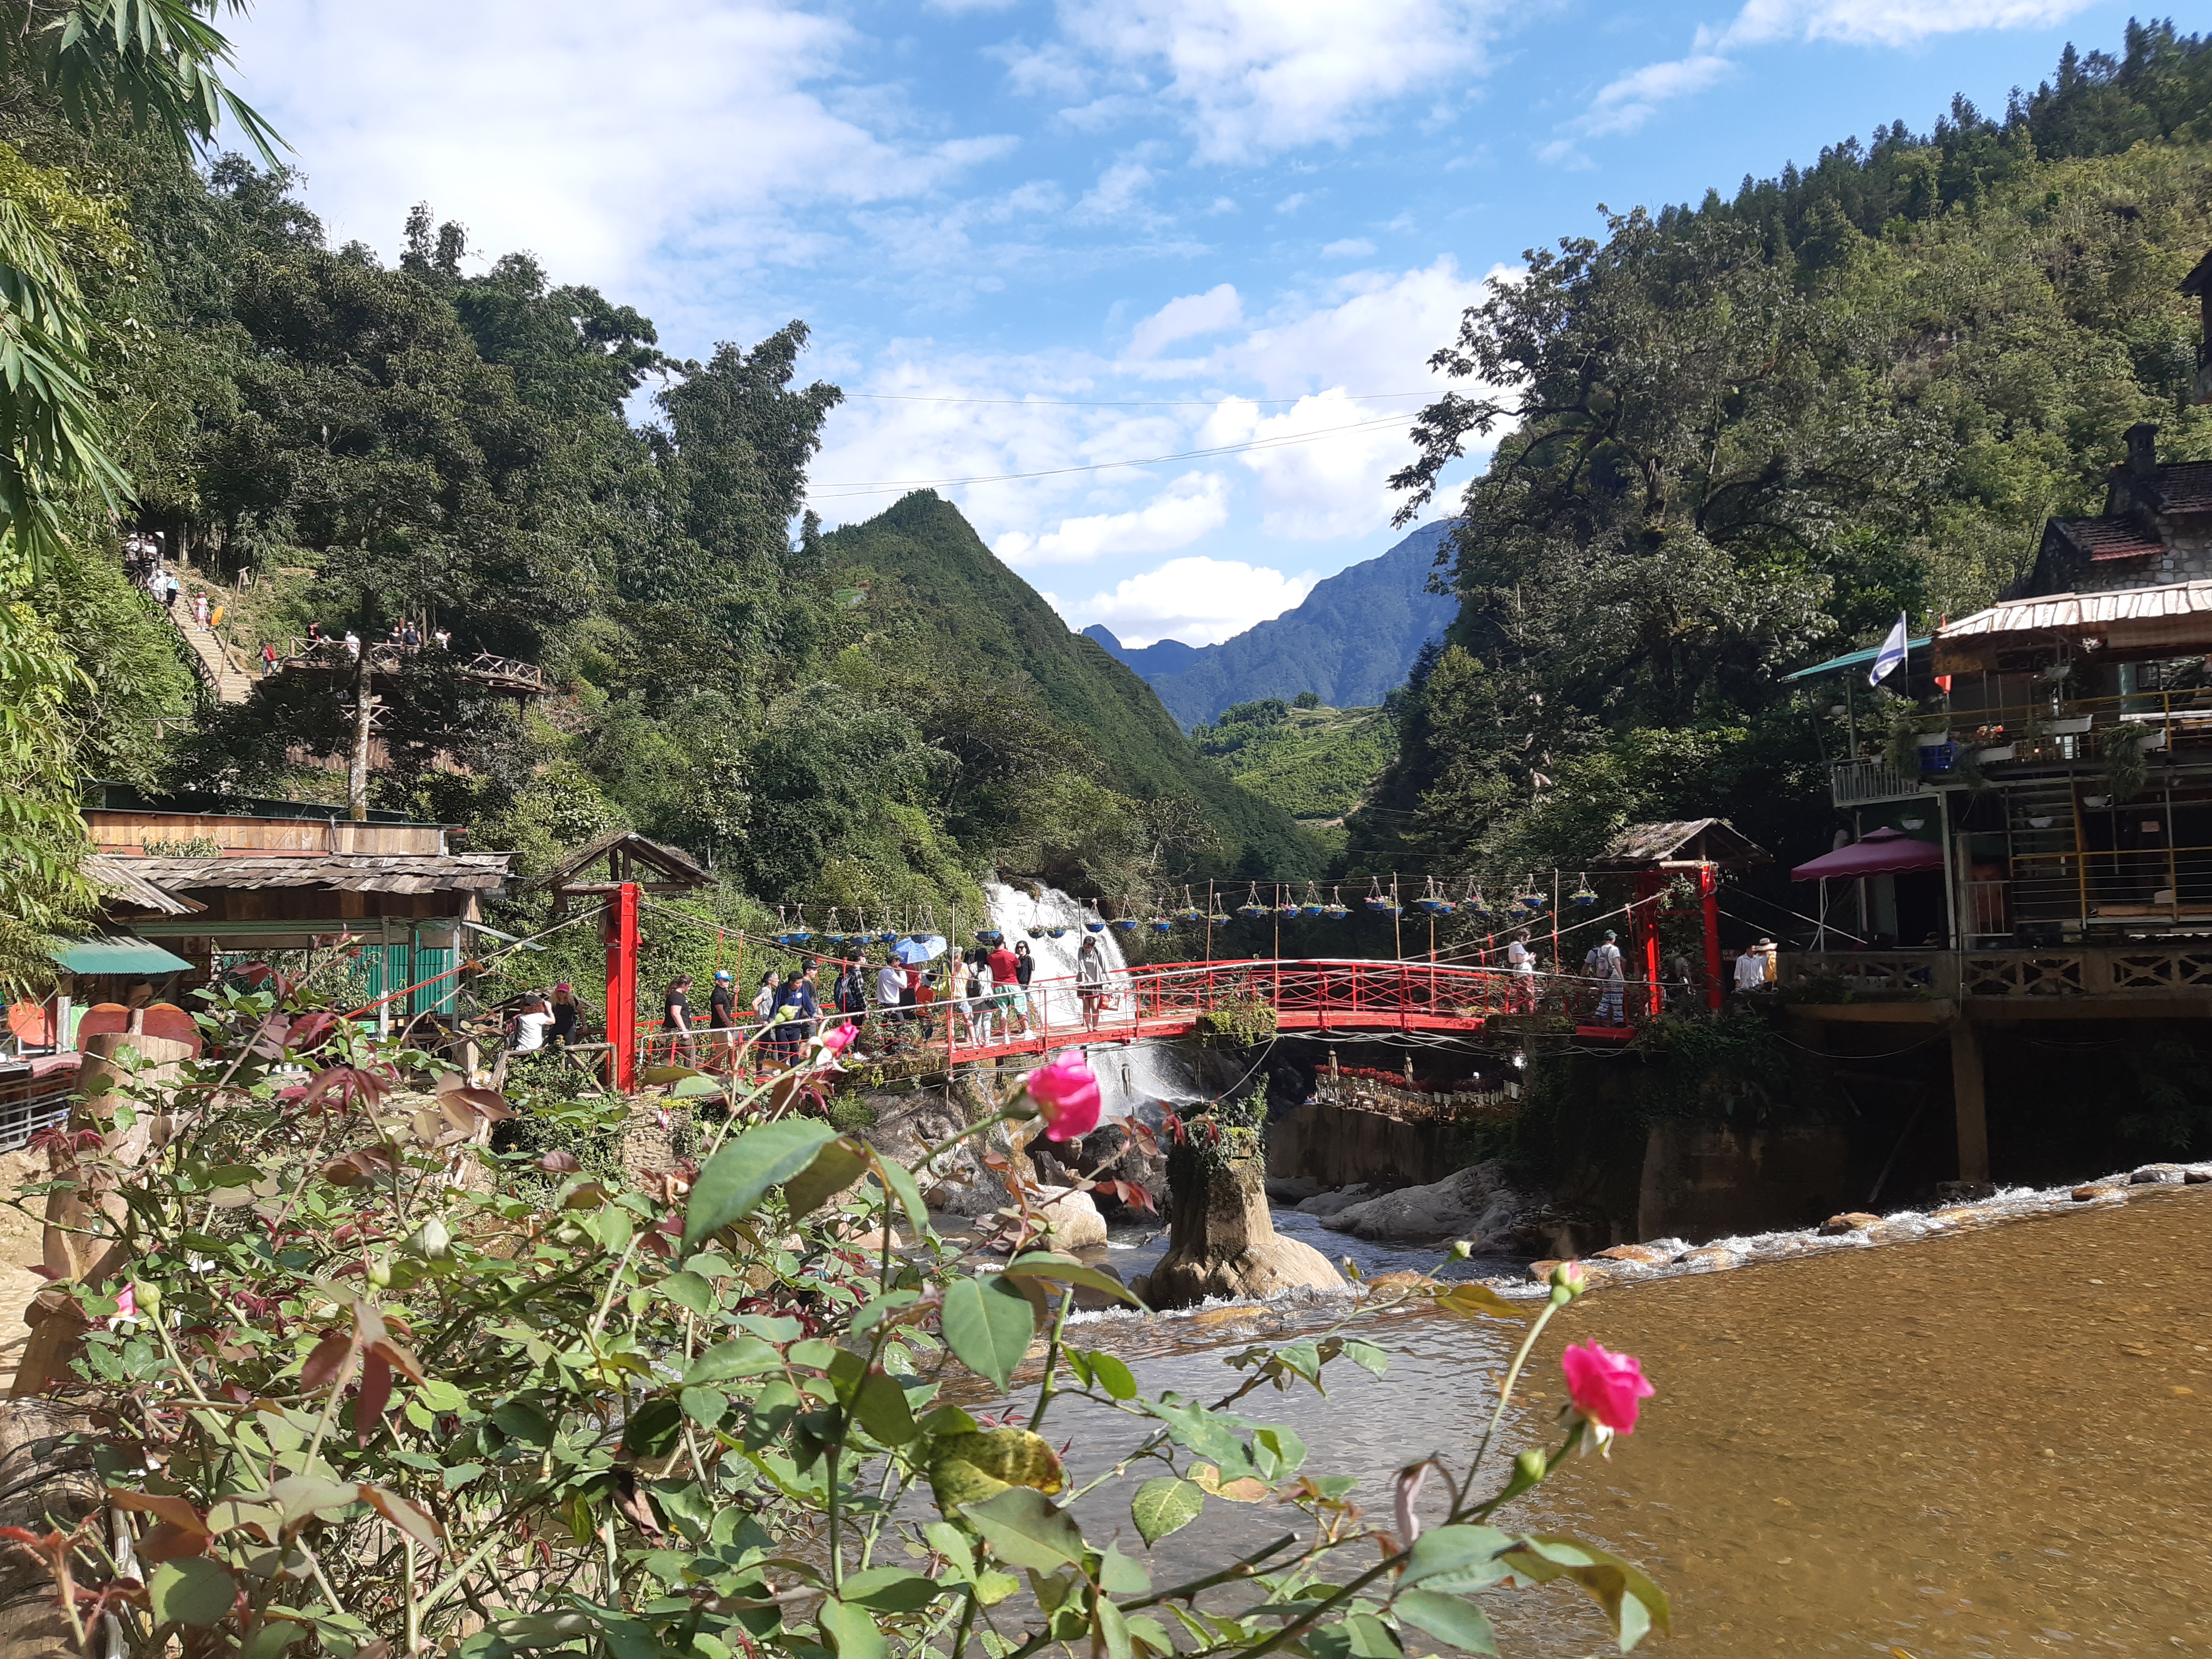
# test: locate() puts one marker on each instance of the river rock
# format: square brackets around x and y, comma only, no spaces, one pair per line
[1851,1221]
[2085,1195]
[2198,1177]
[1222,1243]
[1476,1204]
[1326,1205]
[1070,1218]
[2152,1174]
[1642,1254]
[1293,1189]
[1709,1259]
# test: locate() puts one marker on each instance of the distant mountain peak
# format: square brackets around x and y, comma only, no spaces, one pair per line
[1353,641]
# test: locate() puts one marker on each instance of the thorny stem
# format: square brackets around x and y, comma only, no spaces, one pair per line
[1559,1299]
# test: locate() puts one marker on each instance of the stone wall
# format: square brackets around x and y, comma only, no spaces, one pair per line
[1347,1136]
[1703,1180]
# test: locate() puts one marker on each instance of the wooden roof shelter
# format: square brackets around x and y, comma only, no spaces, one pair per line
[1682,844]
[628,857]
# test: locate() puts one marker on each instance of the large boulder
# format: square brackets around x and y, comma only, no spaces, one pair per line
[1070,1218]
[1221,1243]
[1477,1204]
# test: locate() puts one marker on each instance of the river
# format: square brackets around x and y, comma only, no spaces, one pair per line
[1987,1443]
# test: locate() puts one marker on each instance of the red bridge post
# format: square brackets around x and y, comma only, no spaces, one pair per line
[619,930]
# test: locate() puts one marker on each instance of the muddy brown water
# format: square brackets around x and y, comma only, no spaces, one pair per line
[1991,1443]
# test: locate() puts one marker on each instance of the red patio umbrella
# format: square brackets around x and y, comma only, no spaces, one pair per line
[1879,853]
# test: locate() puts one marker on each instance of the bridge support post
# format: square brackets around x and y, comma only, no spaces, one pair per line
[1643,932]
[1967,1103]
[619,930]
[1709,884]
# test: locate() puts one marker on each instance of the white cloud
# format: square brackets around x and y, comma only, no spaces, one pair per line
[1350,247]
[1199,601]
[1888,22]
[601,138]
[1190,507]
[1291,203]
[1254,77]
[1625,103]
[1119,192]
[1183,318]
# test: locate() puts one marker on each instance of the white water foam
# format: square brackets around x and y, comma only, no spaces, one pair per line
[1131,1076]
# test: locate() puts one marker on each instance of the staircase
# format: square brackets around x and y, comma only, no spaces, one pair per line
[214,663]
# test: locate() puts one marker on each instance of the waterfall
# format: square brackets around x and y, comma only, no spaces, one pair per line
[1131,1076]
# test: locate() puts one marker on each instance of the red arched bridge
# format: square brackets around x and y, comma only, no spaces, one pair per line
[1354,997]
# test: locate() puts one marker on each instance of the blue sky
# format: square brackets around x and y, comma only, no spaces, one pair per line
[1033,237]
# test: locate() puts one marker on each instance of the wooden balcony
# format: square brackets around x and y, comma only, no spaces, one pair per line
[2070,981]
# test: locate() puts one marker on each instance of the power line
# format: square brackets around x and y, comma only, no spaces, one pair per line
[1067,403]
[846,492]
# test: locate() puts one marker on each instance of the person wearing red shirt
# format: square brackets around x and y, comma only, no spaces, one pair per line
[1006,981]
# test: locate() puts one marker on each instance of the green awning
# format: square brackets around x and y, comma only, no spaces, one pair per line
[118,956]
[1850,659]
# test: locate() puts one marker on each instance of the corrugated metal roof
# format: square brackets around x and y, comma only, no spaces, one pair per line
[117,955]
[113,877]
[2056,612]
[352,872]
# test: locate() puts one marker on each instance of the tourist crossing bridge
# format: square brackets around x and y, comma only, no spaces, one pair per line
[1351,997]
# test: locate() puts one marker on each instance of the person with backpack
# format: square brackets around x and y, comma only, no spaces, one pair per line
[1605,965]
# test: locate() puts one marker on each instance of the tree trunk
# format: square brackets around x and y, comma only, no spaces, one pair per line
[364,714]
[46,1481]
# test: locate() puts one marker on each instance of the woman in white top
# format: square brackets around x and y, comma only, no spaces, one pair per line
[981,1006]
[529,1026]
[1521,961]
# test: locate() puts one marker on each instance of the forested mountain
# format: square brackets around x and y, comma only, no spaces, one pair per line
[940,598]
[874,720]
[1314,762]
[1350,642]
[1738,438]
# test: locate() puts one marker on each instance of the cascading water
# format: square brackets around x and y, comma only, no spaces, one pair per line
[1131,1076]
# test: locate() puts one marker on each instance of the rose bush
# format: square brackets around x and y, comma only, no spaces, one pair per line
[374,1399]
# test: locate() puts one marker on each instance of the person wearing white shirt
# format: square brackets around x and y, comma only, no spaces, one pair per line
[1751,970]
[530,1026]
[1521,962]
[890,984]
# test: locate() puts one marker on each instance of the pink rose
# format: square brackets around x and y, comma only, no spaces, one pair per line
[836,1041]
[127,1303]
[1605,1388]
[1066,1096]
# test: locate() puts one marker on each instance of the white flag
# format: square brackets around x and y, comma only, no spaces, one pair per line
[1892,653]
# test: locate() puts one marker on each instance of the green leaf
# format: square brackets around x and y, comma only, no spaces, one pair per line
[836,1167]
[1066,1270]
[1150,1633]
[748,1356]
[1280,1452]
[190,1589]
[1025,1530]
[852,1631]
[1165,1505]
[880,1404]
[652,1076]
[890,1590]
[1362,1636]
[737,1178]
[900,1179]
[689,1088]
[705,1406]
[1119,1576]
[1111,1375]
[1635,1605]
[1457,1557]
[1457,1622]
[652,1429]
[688,1289]
[1114,1630]
[1366,1355]
[987,1324]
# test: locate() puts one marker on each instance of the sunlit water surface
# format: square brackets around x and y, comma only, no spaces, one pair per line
[1991,1443]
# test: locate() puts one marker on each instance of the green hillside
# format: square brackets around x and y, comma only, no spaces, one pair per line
[1736,439]
[937,592]
[1315,763]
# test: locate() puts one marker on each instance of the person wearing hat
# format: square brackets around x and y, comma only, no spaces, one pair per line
[1611,972]
[564,1015]
[1751,967]
[722,1008]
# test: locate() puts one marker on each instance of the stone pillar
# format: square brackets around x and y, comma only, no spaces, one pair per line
[1967,1103]
[1222,1243]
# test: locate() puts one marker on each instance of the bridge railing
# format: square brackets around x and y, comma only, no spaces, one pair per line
[1352,994]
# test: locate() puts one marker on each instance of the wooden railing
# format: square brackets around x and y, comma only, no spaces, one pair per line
[1949,975]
